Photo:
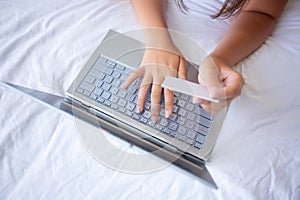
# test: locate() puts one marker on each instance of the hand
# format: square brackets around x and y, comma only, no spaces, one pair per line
[155,66]
[223,83]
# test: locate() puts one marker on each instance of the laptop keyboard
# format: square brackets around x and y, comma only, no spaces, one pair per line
[188,123]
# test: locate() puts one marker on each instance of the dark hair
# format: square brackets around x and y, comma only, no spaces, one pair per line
[229,8]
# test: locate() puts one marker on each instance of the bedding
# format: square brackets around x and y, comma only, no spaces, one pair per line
[43,45]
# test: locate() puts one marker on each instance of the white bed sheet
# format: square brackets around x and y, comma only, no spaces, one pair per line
[43,45]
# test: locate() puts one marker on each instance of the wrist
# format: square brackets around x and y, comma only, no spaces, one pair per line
[159,38]
[219,60]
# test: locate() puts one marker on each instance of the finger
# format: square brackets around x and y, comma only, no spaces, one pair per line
[209,76]
[169,99]
[200,80]
[155,101]
[144,87]
[182,70]
[132,77]
[233,86]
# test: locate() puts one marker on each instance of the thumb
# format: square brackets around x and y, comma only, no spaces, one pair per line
[209,76]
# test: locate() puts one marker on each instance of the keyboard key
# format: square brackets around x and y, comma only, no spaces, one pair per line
[106,86]
[114,106]
[128,113]
[172,126]
[122,93]
[167,131]
[189,106]
[116,83]
[108,79]
[110,62]
[143,120]
[200,138]
[90,79]
[163,122]
[191,116]
[184,97]
[123,77]
[182,112]
[175,109]
[105,95]
[132,99]
[107,103]
[86,93]
[121,109]
[116,74]
[114,98]
[197,145]
[205,114]
[122,102]
[108,71]
[147,105]
[181,137]
[203,121]
[150,123]
[190,124]
[181,103]
[98,91]
[173,117]
[119,67]
[130,106]
[147,114]
[191,134]
[182,130]
[94,97]
[80,90]
[158,127]
[201,129]
[173,134]
[88,87]
[99,74]
[162,112]
[114,90]
[136,116]
[181,120]
[190,141]
[100,99]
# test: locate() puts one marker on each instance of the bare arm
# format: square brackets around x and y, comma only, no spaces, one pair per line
[247,33]
[150,13]
[161,57]
[249,30]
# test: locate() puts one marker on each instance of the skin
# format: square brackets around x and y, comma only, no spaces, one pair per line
[246,33]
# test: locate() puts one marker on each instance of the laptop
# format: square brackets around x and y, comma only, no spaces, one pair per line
[189,135]
[95,96]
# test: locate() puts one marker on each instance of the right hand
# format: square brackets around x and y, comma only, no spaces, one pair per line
[155,66]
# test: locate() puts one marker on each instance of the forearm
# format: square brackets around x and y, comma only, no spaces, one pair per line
[246,33]
[150,13]
[151,16]
[249,30]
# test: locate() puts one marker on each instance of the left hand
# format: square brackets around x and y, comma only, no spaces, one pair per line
[223,83]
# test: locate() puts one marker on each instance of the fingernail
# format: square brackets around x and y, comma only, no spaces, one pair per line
[154,118]
[168,113]
[194,100]
[138,109]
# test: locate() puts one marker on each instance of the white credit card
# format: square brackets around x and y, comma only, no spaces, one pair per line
[188,87]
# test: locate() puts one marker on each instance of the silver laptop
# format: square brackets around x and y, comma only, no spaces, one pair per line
[190,132]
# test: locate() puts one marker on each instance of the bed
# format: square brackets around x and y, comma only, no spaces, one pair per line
[43,45]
